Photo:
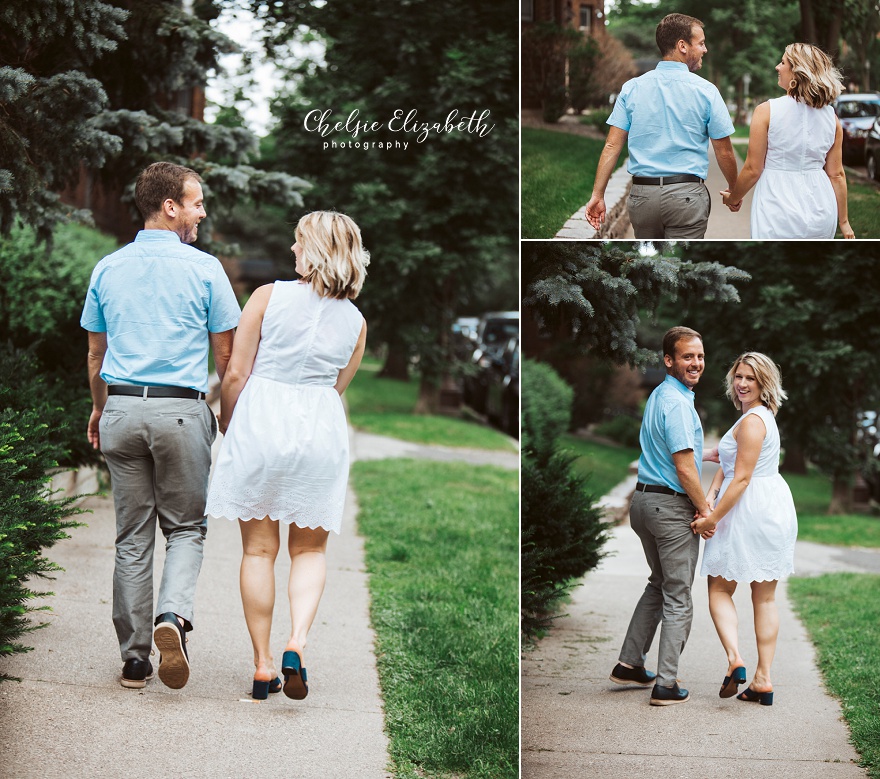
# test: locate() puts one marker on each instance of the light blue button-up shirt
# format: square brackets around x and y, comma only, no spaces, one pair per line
[670,424]
[157,299]
[670,114]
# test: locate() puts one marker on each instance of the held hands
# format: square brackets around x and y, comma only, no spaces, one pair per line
[595,211]
[703,523]
[725,197]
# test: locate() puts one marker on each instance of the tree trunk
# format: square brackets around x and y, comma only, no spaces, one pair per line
[841,495]
[832,36]
[396,363]
[808,22]
[795,461]
[429,397]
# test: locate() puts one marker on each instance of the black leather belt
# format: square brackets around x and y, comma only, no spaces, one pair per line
[680,178]
[657,488]
[155,392]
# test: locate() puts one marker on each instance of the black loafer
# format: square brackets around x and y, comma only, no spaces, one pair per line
[136,673]
[623,675]
[666,696]
[171,643]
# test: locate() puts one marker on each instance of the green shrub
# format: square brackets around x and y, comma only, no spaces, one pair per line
[598,119]
[546,408]
[562,531]
[30,520]
[622,429]
[41,296]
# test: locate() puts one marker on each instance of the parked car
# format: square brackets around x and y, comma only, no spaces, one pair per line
[857,112]
[872,151]
[493,333]
[502,389]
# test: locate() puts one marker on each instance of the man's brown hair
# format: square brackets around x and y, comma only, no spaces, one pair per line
[157,183]
[674,335]
[674,28]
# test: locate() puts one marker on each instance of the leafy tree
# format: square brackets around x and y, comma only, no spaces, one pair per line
[97,88]
[813,309]
[590,295]
[440,217]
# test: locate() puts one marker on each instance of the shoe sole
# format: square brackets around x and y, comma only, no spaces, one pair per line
[661,702]
[173,667]
[133,684]
[618,680]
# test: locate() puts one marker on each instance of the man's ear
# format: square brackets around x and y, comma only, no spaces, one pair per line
[169,207]
[667,360]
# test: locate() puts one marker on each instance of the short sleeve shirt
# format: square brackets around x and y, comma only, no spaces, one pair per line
[670,114]
[157,299]
[670,424]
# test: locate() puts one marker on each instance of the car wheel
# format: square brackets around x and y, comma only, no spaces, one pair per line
[871,166]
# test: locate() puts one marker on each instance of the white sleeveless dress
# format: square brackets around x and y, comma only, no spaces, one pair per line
[754,541]
[285,454]
[794,197]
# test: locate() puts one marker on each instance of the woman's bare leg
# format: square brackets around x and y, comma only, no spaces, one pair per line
[260,544]
[308,572]
[766,632]
[723,612]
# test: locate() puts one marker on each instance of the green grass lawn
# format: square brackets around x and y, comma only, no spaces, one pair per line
[608,464]
[812,496]
[442,550]
[842,614]
[558,170]
[863,206]
[385,407]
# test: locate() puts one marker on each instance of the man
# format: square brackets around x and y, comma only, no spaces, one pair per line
[668,116]
[668,496]
[151,310]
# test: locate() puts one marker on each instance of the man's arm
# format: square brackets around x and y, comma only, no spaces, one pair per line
[97,385]
[221,345]
[689,476]
[726,157]
[614,144]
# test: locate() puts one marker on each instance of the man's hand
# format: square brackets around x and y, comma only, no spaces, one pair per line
[94,431]
[711,455]
[595,211]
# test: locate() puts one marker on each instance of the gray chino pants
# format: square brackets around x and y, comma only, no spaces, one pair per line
[669,211]
[662,523]
[159,455]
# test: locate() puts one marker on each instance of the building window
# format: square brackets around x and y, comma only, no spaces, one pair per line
[586,21]
[527,10]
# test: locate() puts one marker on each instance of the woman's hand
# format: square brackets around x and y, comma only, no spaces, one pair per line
[726,199]
[846,230]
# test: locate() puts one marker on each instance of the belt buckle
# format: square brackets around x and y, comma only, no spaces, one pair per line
[146,393]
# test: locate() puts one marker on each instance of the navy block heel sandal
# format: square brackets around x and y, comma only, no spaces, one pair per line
[295,679]
[731,683]
[764,698]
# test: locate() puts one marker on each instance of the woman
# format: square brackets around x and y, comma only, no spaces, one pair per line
[752,528]
[795,154]
[285,455]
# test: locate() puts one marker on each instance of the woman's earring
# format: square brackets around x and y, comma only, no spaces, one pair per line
[792,84]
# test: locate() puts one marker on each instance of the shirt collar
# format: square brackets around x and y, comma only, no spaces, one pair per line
[157,235]
[684,390]
[671,65]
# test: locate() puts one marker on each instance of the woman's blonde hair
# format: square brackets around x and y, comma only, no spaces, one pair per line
[816,81]
[333,254]
[768,378]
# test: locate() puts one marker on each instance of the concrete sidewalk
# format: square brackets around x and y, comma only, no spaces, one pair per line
[723,224]
[71,718]
[576,722]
